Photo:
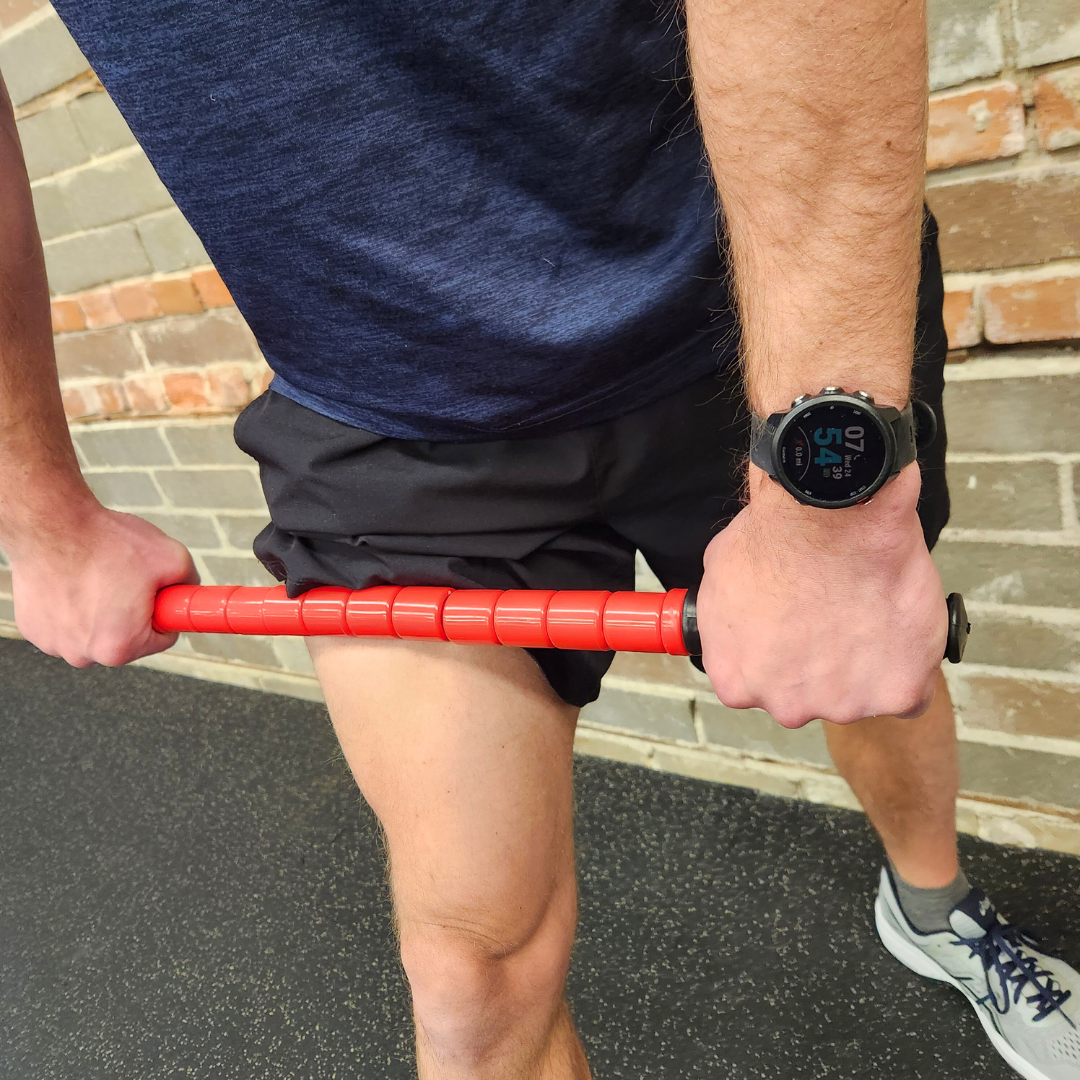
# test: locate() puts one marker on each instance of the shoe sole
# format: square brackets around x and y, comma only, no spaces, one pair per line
[913,958]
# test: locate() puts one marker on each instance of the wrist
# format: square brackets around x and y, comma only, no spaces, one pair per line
[874,524]
[775,395]
[52,514]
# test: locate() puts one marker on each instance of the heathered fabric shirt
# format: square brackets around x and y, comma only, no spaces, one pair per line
[449,221]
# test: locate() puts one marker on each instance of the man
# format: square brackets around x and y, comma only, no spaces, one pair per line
[477,244]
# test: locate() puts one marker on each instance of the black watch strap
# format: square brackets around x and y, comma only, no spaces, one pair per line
[762,429]
[913,426]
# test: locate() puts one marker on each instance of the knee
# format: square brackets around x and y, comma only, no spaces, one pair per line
[478,978]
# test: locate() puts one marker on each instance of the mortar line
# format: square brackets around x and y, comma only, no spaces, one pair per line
[1026,166]
[220,533]
[1051,678]
[1018,537]
[1001,368]
[975,279]
[643,686]
[140,349]
[1042,744]
[699,722]
[1050,616]
[134,150]
[1068,496]
[976,457]
[160,429]
[652,737]
[239,466]
[134,223]
[136,423]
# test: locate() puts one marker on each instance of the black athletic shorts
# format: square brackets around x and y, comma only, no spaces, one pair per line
[565,511]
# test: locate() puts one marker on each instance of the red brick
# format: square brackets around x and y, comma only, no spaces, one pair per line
[1057,108]
[99,309]
[12,11]
[67,316]
[1045,310]
[1017,218]
[147,395]
[191,340]
[260,381]
[95,400]
[135,300]
[975,125]
[96,352]
[112,397]
[961,318]
[177,296]
[187,391]
[74,403]
[227,386]
[211,288]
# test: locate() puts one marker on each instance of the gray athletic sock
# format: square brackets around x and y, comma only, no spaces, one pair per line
[928,909]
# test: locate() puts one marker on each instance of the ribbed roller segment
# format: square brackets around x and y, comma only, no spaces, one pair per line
[469,616]
[369,612]
[527,618]
[417,613]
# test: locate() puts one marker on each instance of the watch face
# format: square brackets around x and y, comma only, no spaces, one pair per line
[833,452]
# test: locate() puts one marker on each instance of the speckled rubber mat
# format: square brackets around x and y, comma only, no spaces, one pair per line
[191,887]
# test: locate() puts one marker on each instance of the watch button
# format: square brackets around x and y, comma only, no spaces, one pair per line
[864,395]
[799,400]
[831,390]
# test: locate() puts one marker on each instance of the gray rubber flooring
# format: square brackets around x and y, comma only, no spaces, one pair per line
[191,887]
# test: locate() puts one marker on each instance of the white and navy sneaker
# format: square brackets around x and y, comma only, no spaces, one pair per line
[1028,1002]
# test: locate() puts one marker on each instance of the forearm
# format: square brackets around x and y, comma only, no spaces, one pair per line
[41,488]
[814,119]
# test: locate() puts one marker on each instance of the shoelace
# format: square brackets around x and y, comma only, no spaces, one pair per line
[1001,948]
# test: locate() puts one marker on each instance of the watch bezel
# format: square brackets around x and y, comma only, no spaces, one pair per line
[864,406]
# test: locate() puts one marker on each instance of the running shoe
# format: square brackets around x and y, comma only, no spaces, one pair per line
[1027,1001]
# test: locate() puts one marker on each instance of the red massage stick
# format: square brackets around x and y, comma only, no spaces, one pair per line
[533,618]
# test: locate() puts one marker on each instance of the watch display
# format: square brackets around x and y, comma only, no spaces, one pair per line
[835,449]
[833,452]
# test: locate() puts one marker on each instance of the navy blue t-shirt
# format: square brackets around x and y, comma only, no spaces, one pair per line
[461,220]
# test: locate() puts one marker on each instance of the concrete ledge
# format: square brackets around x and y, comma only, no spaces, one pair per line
[1000,822]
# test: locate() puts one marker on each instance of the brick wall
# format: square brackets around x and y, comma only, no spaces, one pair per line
[1005,184]
[155,360]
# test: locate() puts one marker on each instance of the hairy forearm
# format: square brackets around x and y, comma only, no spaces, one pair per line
[40,482]
[814,119]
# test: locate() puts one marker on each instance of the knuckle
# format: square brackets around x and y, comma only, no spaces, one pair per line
[792,718]
[914,706]
[844,717]
[113,657]
[908,701]
[112,651]
[789,707]
[736,700]
[730,691]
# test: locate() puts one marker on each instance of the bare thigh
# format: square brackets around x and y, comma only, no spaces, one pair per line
[465,755]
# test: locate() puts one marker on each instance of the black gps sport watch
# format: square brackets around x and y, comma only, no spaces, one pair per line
[836,449]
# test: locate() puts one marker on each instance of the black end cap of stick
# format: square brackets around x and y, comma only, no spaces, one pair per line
[691,637]
[959,628]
